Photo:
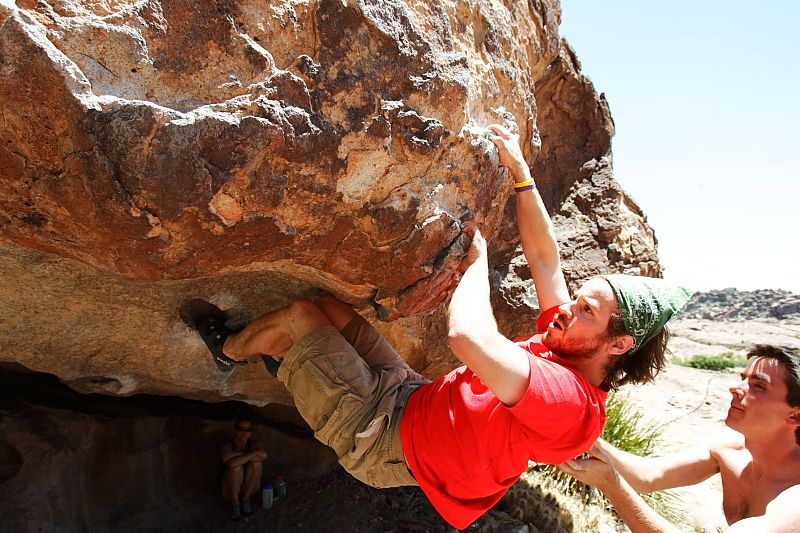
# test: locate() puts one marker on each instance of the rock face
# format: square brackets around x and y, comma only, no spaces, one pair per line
[599,228]
[734,305]
[253,152]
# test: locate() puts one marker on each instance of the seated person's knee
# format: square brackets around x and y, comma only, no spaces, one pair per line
[233,469]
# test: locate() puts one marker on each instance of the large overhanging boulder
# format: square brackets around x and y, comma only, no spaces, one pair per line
[251,152]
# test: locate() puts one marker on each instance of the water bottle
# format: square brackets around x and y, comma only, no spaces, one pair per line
[280,486]
[266,495]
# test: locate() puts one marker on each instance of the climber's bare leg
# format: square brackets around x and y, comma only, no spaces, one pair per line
[371,346]
[274,333]
[338,313]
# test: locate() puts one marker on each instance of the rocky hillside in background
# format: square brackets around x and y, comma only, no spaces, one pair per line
[252,152]
[729,321]
[734,305]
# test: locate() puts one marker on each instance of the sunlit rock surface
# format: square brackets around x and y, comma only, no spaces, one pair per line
[253,152]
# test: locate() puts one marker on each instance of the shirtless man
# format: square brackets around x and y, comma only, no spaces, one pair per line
[243,460]
[757,456]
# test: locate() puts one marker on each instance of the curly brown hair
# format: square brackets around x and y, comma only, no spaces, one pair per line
[641,366]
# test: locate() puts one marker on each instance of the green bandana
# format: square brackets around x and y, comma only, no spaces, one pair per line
[646,304]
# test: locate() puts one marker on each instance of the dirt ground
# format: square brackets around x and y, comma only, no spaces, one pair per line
[339,503]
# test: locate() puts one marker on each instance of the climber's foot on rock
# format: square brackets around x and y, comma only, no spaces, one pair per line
[209,321]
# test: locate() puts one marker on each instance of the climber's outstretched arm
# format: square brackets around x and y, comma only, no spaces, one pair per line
[535,227]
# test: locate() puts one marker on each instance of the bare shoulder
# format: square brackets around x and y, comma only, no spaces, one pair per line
[726,440]
[226,450]
[783,514]
[782,500]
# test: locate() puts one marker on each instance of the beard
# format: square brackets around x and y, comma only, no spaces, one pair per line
[574,349]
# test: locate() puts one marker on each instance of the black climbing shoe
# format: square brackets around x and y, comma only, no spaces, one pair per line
[209,321]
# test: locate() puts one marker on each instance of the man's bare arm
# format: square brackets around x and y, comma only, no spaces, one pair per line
[256,456]
[650,474]
[621,476]
[535,227]
[473,336]
[782,516]
[634,511]
[600,471]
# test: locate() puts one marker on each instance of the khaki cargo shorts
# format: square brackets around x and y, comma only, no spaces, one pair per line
[351,387]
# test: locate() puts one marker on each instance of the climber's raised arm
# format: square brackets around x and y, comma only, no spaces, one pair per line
[535,227]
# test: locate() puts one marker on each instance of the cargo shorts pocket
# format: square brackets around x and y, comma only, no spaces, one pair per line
[338,429]
[372,439]
[371,445]
[394,474]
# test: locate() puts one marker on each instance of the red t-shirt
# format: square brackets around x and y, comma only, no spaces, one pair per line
[465,448]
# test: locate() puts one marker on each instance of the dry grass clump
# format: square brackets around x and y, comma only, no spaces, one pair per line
[539,499]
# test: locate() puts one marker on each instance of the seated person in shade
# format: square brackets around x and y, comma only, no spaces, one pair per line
[757,456]
[243,460]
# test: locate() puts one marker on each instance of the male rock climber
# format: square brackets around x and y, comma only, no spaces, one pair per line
[243,460]
[466,437]
[757,456]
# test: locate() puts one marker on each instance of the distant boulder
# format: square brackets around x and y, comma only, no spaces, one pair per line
[733,304]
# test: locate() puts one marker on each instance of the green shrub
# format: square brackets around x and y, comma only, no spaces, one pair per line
[626,429]
[721,362]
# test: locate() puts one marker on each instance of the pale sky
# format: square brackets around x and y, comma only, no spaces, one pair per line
[705,97]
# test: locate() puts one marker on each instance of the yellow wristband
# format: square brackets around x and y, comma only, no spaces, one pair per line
[523,184]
